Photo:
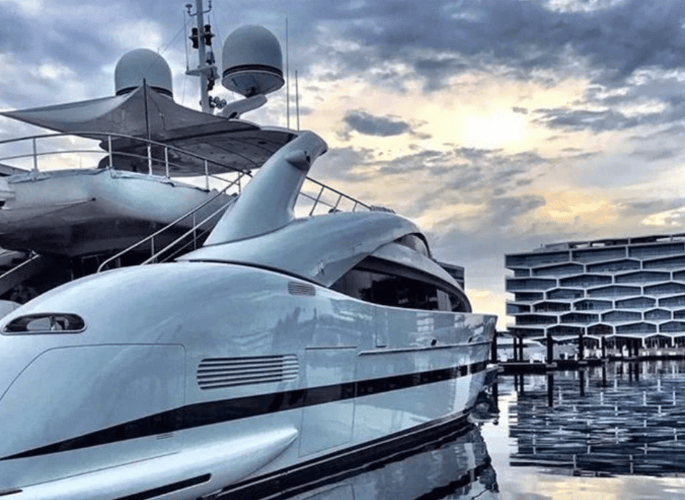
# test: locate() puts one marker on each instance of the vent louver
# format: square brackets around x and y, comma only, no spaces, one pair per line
[217,373]
[301,289]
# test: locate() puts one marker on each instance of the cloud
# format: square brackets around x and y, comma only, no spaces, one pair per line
[368,124]
[651,97]
[442,39]
[379,126]
[657,154]
[647,207]
[566,118]
[344,164]
[506,209]
[671,132]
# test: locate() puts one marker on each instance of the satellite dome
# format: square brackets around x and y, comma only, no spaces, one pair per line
[253,62]
[139,65]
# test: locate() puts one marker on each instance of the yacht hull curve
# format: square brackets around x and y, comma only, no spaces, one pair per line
[239,374]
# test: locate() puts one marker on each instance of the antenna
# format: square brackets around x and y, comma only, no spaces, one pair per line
[201,37]
[287,76]
[297,103]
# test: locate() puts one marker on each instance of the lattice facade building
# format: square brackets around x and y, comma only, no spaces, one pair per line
[632,288]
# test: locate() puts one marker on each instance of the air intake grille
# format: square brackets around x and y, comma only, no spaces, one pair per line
[216,373]
[301,289]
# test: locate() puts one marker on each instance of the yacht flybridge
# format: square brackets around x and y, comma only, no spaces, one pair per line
[285,343]
[137,147]
[137,142]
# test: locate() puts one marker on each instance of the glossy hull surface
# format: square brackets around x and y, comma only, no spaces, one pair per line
[281,371]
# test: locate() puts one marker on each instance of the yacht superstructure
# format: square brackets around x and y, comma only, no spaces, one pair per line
[139,146]
[284,343]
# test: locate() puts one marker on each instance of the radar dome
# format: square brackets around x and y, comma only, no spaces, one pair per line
[139,65]
[253,62]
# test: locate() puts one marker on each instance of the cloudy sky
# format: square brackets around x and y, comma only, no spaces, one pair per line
[498,125]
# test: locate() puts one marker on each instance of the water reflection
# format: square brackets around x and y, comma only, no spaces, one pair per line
[619,418]
[614,431]
[457,466]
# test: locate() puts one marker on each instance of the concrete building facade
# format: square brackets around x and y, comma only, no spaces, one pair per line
[627,291]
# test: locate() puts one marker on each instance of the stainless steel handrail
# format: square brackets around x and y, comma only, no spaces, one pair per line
[317,200]
[105,140]
[197,226]
[94,136]
[151,237]
[33,256]
[102,137]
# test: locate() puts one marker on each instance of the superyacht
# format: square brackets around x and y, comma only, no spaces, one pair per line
[283,344]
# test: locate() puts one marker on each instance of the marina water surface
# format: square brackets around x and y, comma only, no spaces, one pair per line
[615,431]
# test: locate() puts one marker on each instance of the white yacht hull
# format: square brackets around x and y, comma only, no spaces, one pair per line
[87,211]
[235,377]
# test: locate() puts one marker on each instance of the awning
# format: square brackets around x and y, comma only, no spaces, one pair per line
[235,144]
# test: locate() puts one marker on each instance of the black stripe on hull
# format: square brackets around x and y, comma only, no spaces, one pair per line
[169,488]
[216,412]
[350,461]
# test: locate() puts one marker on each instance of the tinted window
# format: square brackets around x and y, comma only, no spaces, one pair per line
[45,323]
[396,291]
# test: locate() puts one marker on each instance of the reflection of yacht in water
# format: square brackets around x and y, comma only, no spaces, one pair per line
[622,418]
[281,345]
[457,467]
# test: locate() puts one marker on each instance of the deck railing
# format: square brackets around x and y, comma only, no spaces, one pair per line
[193,232]
[29,161]
[315,197]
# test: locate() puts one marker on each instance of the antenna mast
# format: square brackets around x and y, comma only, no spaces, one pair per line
[201,37]
[297,102]
[287,76]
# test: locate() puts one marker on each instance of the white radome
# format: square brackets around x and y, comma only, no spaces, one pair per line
[252,61]
[142,64]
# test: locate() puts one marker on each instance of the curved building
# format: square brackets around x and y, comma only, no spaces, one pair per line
[630,290]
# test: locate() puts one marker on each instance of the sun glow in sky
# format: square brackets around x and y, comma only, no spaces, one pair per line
[495,130]
[497,125]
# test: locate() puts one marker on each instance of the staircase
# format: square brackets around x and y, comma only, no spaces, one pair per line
[189,240]
[17,268]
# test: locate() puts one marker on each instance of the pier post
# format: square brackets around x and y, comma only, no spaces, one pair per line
[514,345]
[580,345]
[493,349]
[550,348]
[604,375]
[603,341]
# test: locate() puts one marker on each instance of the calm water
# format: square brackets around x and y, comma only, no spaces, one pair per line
[612,432]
